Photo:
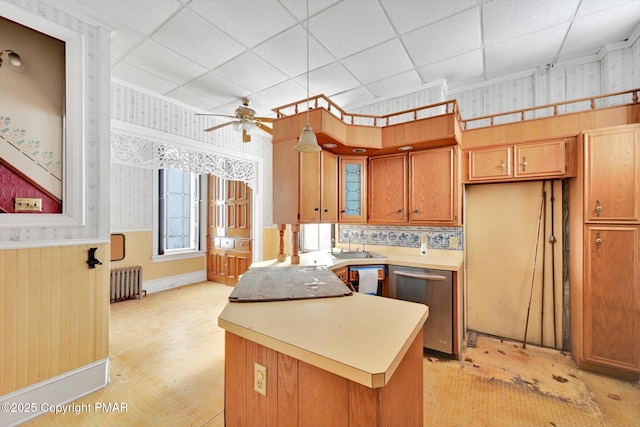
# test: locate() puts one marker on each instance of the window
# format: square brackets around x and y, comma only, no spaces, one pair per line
[316,237]
[178,196]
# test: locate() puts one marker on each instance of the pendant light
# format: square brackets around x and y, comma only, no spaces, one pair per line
[307,143]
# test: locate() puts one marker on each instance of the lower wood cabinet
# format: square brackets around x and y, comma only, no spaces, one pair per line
[611,297]
[228,259]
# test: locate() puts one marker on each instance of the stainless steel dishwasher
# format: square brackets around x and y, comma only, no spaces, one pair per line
[433,288]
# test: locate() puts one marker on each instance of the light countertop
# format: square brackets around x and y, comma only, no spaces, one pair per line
[437,259]
[360,337]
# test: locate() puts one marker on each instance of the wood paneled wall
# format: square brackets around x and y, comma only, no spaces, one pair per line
[54,313]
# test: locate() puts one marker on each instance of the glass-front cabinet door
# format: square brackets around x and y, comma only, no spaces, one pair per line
[353,189]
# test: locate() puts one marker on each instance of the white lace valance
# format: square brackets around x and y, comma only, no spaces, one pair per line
[146,153]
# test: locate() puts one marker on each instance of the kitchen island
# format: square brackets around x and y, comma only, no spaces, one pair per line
[345,361]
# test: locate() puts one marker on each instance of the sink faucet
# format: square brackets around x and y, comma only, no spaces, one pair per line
[349,241]
[363,249]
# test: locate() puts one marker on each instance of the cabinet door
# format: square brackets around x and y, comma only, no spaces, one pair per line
[490,164]
[612,175]
[353,189]
[216,266]
[540,159]
[309,196]
[433,186]
[611,303]
[329,188]
[388,180]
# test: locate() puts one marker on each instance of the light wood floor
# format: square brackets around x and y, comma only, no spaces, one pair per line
[167,368]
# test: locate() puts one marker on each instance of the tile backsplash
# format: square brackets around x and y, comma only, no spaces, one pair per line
[403,236]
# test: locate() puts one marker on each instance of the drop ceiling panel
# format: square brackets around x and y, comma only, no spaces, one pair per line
[288,52]
[157,59]
[534,50]
[407,15]
[508,19]
[351,26]
[379,62]
[252,72]
[189,34]
[359,49]
[248,21]
[444,39]
[142,78]
[466,67]
[404,81]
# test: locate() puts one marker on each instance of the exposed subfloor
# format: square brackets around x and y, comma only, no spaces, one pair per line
[167,366]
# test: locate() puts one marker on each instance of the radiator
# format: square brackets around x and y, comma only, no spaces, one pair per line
[126,283]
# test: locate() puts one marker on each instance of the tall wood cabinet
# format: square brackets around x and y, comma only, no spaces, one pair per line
[605,252]
[229,249]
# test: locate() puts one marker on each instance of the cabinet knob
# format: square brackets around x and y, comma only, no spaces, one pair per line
[502,165]
[524,164]
[316,209]
[416,211]
[399,210]
[326,210]
[598,208]
[598,241]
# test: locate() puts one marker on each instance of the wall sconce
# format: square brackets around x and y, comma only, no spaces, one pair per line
[14,62]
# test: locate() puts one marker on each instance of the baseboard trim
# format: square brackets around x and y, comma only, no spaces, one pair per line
[171,282]
[53,394]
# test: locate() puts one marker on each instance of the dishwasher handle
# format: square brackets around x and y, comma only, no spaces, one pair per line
[419,276]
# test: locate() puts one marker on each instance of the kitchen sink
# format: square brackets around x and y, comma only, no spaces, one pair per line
[356,255]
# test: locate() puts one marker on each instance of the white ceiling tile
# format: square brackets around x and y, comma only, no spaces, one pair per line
[278,95]
[379,62]
[251,71]
[124,39]
[191,35]
[218,88]
[507,19]
[157,59]
[351,26]
[193,97]
[590,32]
[356,96]
[299,8]
[142,78]
[587,7]
[444,39]
[468,66]
[249,21]
[329,80]
[407,15]
[526,52]
[288,52]
[142,15]
[396,84]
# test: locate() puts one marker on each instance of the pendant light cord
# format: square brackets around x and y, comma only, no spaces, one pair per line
[307,61]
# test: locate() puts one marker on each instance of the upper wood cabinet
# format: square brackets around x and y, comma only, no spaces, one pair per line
[527,160]
[388,183]
[434,193]
[353,189]
[318,199]
[612,175]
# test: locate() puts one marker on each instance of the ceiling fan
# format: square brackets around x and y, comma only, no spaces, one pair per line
[246,121]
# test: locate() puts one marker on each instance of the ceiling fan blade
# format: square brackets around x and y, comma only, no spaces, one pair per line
[267,129]
[245,136]
[218,126]
[266,119]
[215,115]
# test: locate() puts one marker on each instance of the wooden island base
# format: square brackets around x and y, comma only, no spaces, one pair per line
[299,394]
